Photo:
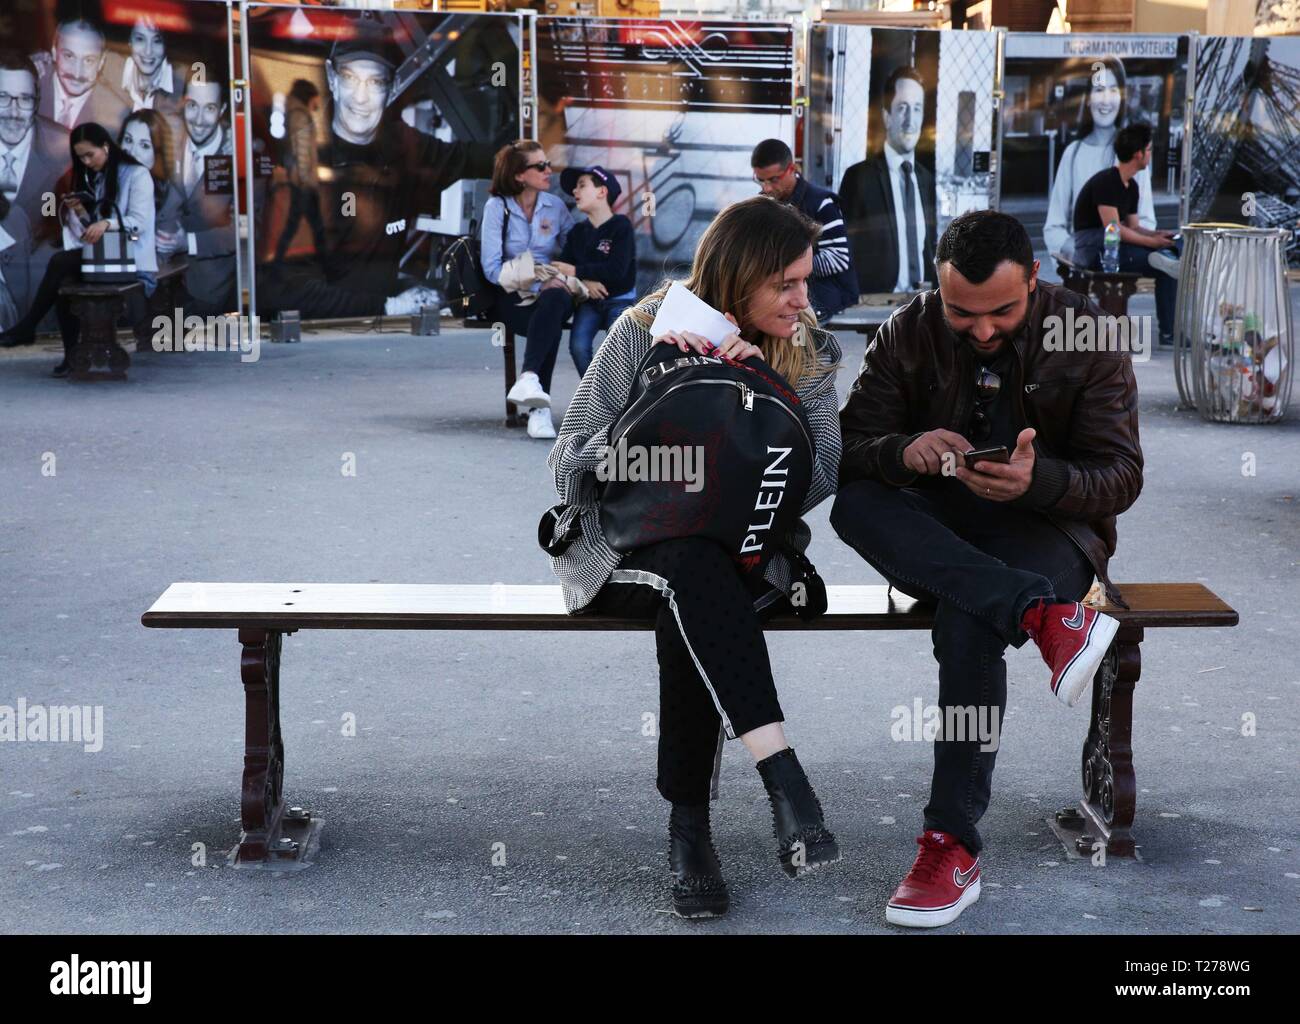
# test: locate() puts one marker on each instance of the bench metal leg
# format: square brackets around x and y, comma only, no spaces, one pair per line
[1109,785]
[272,832]
[1112,296]
[98,356]
[514,418]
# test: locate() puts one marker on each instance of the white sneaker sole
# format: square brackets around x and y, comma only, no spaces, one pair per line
[532,399]
[1078,675]
[910,917]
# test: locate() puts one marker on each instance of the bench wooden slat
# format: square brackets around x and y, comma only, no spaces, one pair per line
[285,606]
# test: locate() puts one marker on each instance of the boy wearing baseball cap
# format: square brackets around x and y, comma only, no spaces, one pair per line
[601,252]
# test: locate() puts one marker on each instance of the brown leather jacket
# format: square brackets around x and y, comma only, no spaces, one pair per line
[918,376]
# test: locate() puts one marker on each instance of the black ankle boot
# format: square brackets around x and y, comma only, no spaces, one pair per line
[698,887]
[18,334]
[804,842]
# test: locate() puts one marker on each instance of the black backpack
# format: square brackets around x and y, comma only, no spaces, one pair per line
[464,286]
[757,452]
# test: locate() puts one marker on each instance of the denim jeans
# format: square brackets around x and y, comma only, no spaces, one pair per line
[1088,246]
[983,563]
[592,316]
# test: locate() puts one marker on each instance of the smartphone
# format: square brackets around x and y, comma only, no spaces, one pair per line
[999,454]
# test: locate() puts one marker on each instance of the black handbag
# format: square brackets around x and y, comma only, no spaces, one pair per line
[465,287]
[112,258]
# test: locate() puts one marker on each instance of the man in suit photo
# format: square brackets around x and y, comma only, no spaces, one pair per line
[34,151]
[206,217]
[73,91]
[888,200]
[34,155]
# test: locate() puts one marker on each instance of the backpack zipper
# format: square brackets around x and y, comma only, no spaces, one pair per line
[747,399]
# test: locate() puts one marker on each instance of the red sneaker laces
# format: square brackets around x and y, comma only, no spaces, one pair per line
[930,858]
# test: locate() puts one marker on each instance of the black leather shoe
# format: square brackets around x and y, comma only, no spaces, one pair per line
[63,369]
[803,841]
[698,887]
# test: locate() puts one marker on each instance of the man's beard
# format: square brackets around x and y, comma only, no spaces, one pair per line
[1001,336]
[15,129]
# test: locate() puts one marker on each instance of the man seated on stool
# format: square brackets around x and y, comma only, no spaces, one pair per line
[1112,195]
[834,282]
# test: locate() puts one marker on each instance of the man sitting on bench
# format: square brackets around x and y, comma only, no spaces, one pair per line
[1112,195]
[1006,549]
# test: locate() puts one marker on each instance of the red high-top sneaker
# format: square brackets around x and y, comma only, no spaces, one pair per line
[1073,639]
[944,881]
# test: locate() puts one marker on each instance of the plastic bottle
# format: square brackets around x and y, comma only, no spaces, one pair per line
[1110,249]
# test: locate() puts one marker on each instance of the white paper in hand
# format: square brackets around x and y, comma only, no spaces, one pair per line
[682,310]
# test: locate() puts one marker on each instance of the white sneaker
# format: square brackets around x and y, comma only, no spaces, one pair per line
[540,423]
[1165,263]
[528,391]
[412,301]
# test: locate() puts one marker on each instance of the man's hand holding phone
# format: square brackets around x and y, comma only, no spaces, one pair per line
[1007,481]
[926,455]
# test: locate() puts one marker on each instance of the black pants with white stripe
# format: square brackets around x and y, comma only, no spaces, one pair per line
[715,679]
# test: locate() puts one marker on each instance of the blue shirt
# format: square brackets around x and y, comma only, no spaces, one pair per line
[543,235]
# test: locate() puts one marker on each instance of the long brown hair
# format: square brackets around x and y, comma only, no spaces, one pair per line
[160,135]
[735,260]
[510,160]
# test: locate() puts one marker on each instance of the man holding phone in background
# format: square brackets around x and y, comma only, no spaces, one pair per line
[1005,550]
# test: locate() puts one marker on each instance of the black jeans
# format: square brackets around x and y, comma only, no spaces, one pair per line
[715,679]
[984,563]
[542,322]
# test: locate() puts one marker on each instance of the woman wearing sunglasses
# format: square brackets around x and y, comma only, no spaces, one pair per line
[538,221]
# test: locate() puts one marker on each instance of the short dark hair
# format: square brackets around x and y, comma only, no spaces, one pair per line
[891,83]
[14,60]
[198,77]
[303,91]
[1131,140]
[978,242]
[771,151]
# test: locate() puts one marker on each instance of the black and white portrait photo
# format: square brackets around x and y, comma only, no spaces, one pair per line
[901,129]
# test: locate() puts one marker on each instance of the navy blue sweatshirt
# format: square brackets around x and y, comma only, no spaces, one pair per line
[606,254]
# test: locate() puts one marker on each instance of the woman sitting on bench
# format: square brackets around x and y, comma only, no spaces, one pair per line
[106,183]
[715,680]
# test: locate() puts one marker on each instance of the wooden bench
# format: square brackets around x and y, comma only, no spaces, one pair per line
[98,355]
[263,613]
[166,299]
[1112,291]
[98,305]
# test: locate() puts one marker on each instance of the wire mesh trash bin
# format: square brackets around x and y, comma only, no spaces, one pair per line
[1233,355]
[1188,279]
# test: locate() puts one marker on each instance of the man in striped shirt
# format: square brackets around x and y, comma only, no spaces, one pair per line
[834,282]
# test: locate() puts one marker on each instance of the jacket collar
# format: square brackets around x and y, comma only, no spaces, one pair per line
[800,189]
